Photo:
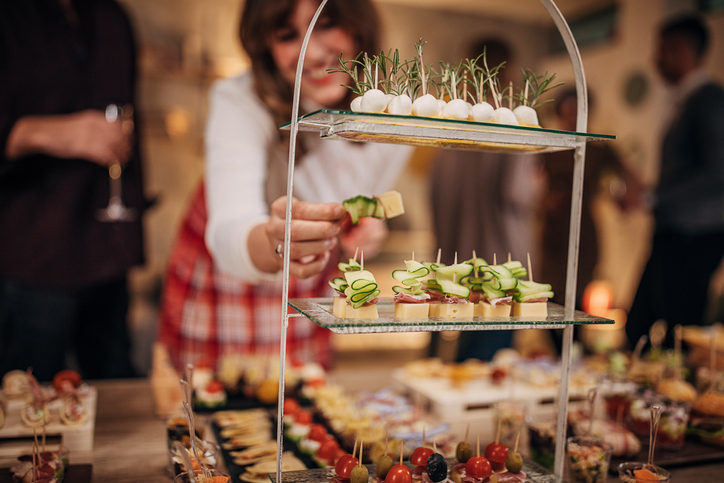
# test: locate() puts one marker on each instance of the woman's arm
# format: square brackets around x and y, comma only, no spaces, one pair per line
[242,233]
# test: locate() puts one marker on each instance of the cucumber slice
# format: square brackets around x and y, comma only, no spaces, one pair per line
[528,290]
[476,263]
[339,284]
[449,287]
[432,266]
[432,285]
[379,210]
[526,298]
[416,268]
[492,292]
[359,206]
[460,271]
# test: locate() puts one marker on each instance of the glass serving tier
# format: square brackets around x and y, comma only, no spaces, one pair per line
[438,132]
[534,474]
[319,311]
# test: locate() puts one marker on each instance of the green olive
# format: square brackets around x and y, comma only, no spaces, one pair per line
[455,477]
[359,474]
[463,452]
[383,466]
[514,462]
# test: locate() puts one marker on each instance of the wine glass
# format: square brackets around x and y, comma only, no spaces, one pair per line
[116,210]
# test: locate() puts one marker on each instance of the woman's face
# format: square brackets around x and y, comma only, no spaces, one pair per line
[325,45]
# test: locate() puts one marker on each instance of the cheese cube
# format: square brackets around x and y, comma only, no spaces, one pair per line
[537,310]
[484,309]
[453,310]
[338,306]
[407,311]
[391,203]
[367,312]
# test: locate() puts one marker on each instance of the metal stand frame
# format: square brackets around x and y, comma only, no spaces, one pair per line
[573,237]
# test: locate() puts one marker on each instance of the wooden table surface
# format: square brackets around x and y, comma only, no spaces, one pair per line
[130,441]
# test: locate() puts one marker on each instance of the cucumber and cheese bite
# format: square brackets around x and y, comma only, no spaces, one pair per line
[455,301]
[339,285]
[531,299]
[386,205]
[411,301]
[361,294]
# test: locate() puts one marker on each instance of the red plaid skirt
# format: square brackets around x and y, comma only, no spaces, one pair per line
[206,314]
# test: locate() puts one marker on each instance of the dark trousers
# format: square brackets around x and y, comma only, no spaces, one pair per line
[40,327]
[675,283]
[483,344]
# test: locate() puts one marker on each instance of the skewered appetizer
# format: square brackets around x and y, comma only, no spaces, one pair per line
[449,292]
[73,410]
[386,205]
[211,395]
[361,294]
[411,301]
[35,412]
[339,284]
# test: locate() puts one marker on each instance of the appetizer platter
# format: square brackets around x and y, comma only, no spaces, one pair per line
[439,132]
[503,134]
[319,310]
[66,410]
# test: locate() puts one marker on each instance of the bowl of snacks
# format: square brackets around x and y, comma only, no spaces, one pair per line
[542,439]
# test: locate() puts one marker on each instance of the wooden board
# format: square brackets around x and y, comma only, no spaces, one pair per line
[75,474]
[16,438]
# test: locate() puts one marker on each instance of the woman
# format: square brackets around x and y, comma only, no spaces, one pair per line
[228,299]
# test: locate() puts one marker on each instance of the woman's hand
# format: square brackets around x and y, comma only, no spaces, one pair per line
[315,232]
[82,135]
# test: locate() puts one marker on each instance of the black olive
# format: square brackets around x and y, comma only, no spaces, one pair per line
[436,468]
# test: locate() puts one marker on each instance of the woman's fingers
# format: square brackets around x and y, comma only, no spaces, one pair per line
[302,210]
[306,270]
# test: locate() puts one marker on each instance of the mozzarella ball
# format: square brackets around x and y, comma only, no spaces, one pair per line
[441,106]
[374,100]
[526,115]
[356,105]
[455,109]
[482,112]
[400,105]
[425,106]
[503,115]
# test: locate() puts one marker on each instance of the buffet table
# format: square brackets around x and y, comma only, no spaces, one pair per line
[130,441]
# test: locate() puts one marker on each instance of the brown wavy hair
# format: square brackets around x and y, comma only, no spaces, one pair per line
[261,18]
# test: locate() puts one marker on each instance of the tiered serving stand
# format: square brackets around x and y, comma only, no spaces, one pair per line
[385,128]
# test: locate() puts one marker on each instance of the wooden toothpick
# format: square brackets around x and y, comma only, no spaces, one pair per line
[525,96]
[510,96]
[478,446]
[495,259]
[362,259]
[517,438]
[401,445]
[530,269]
[361,451]
[467,430]
[439,254]
[497,436]
[509,259]
[423,437]
[455,262]
[354,450]
[355,253]
[413,255]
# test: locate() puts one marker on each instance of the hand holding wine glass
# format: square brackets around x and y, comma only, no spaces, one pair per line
[116,210]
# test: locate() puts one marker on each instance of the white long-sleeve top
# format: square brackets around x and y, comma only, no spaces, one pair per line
[239,133]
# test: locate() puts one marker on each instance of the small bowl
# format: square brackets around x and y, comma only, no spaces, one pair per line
[588,459]
[626,473]
[209,453]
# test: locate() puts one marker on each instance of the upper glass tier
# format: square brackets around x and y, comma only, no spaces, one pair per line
[319,310]
[438,132]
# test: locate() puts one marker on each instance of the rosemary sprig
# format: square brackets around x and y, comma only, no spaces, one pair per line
[359,88]
[537,85]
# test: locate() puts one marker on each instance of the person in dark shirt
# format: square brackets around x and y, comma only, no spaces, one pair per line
[63,270]
[688,243]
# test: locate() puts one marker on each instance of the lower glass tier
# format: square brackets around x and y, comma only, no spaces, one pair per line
[319,310]
[534,474]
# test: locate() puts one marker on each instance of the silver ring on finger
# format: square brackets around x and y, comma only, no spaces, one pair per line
[278,250]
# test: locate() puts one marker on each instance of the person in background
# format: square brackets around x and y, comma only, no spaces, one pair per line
[223,285]
[602,164]
[688,205]
[485,202]
[63,271]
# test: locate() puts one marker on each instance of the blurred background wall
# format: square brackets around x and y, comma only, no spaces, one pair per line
[185,45]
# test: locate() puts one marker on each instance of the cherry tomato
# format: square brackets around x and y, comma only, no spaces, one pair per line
[291,406]
[65,380]
[317,433]
[344,465]
[214,387]
[338,453]
[497,453]
[478,467]
[303,417]
[327,449]
[420,456]
[399,474]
